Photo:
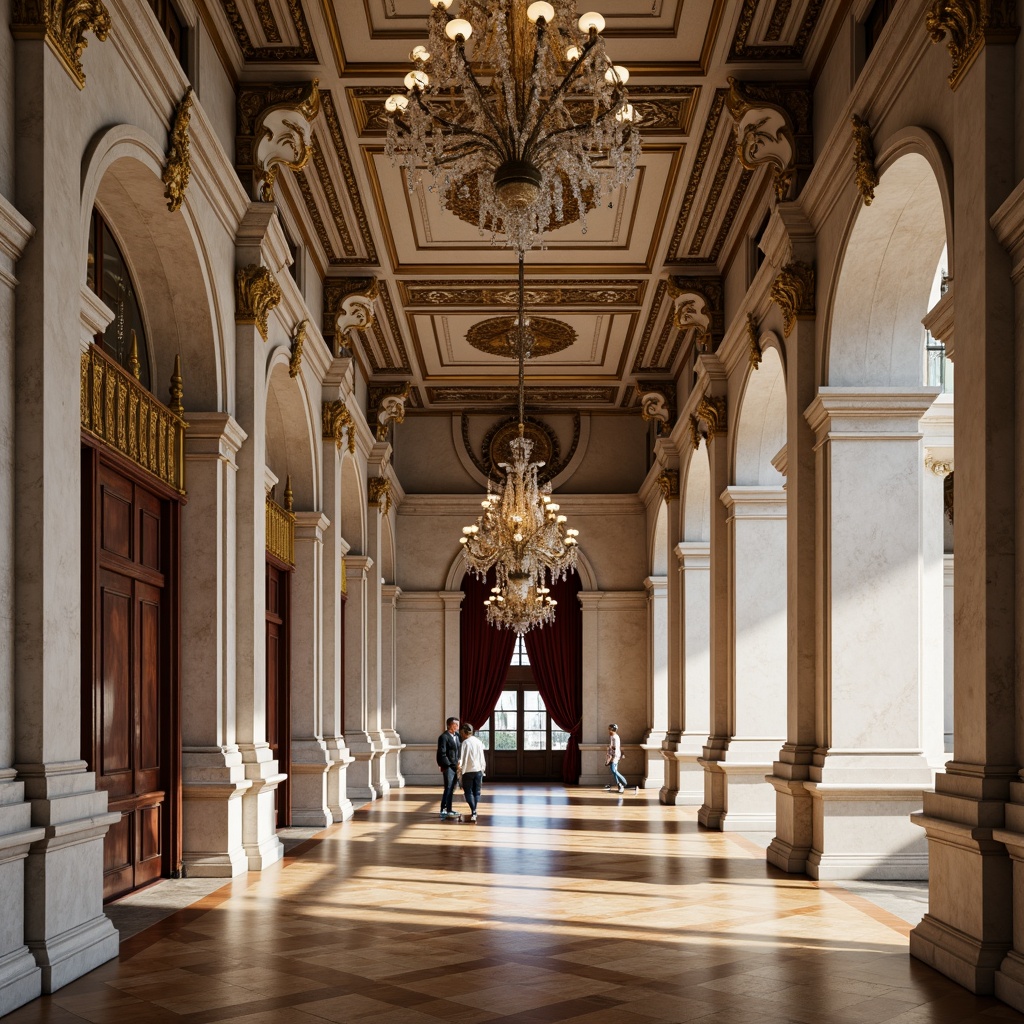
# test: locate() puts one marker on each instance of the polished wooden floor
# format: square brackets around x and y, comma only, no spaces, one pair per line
[559,905]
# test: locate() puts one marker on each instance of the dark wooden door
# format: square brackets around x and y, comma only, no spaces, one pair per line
[129,646]
[278,690]
[522,741]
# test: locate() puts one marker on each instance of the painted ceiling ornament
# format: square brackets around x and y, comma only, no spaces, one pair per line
[712,410]
[753,334]
[378,493]
[390,407]
[298,339]
[178,167]
[969,25]
[697,305]
[285,139]
[669,484]
[793,293]
[864,159]
[499,336]
[63,24]
[655,407]
[764,137]
[336,420]
[256,294]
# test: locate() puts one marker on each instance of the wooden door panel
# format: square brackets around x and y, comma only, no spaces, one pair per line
[115,513]
[116,731]
[273,683]
[149,541]
[118,847]
[148,613]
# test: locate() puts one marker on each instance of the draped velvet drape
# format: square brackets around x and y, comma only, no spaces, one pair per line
[556,657]
[485,654]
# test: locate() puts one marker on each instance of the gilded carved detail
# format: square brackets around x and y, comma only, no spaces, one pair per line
[256,294]
[336,420]
[864,159]
[712,410]
[379,493]
[655,407]
[284,132]
[764,136]
[63,24]
[793,292]
[969,25]
[390,408]
[698,304]
[753,335]
[695,434]
[178,167]
[298,338]
[669,484]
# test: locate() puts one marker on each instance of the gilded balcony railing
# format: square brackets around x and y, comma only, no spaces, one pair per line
[120,412]
[281,528]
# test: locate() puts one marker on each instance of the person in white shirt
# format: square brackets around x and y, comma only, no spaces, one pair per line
[472,765]
[614,753]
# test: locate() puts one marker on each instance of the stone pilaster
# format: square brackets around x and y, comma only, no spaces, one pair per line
[657,680]
[389,595]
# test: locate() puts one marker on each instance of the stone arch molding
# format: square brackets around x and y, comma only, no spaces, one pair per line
[696,496]
[121,173]
[457,569]
[887,264]
[293,429]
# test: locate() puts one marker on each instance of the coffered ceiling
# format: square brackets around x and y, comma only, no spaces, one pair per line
[689,211]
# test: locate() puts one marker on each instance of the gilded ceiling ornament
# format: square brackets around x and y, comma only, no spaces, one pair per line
[63,24]
[764,136]
[695,434]
[970,24]
[356,314]
[298,338]
[391,409]
[712,409]
[864,159]
[379,493]
[335,420]
[655,407]
[690,311]
[178,167]
[793,292]
[256,294]
[753,333]
[285,139]
[499,336]
[669,484]
[495,446]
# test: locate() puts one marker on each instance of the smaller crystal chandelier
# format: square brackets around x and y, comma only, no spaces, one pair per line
[512,136]
[520,531]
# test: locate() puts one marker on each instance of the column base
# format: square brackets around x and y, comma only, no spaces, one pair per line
[75,952]
[684,778]
[309,771]
[21,980]
[736,796]
[338,802]
[1009,980]
[794,830]
[957,955]
[365,780]
[259,815]
[213,783]
[393,759]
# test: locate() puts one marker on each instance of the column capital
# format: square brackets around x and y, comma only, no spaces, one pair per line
[694,554]
[213,433]
[358,566]
[310,526]
[451,598]
[656,586]
[868,412]
[746,502]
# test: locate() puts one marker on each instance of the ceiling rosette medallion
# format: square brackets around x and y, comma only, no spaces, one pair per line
[772,127]
[970,24]
[864,159]
[256,294]
[178,167]
[63,24]
[498,336]
[495,447]
[793,293]
[698,306]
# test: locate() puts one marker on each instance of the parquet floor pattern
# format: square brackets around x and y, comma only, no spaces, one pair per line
[560,905]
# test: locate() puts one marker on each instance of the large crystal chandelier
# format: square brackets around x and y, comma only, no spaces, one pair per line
[520,531]
[511,134]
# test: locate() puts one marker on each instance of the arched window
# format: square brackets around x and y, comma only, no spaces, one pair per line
[109,278]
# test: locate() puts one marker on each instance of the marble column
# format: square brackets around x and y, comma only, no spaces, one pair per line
[389,595]
[311,763]
[657,681]
[213,776]
[870,770]
[64,925]
[20,977]
[757,653]
[595,731]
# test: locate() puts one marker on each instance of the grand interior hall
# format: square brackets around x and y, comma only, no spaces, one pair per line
[367,363]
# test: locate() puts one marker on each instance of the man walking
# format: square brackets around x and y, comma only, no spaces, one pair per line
[448,762]
[472,765]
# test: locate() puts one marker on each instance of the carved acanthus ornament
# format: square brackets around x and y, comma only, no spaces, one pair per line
[753,333]
[284,133]
[256,294]
[793,293]
[697,304]
[356,314]
[712,410]
[379,493]
[298,338]
[336,420]
[669,484]
[655,406]
[63,24]
[391,409]
[864,159]
[940,467]
[178,167]
[970,24]
[764,136]
[695,434]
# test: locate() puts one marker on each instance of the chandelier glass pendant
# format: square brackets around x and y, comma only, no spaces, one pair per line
[520,531]
[511,136]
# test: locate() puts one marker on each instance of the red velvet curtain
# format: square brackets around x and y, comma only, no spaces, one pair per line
[556,657]
[485,654]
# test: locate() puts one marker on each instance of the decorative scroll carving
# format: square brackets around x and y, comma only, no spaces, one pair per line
[864,159]
[698,304]
[753,334]
[356,314]
[63,24]
[764,135]
[178,167]
[298,338]
[669,484]
[970,24]
[389,407]
[379,493]
[940,467]
[285,134]
[654,406]
[336,420]
[256,294]
[793,292]
[712,410]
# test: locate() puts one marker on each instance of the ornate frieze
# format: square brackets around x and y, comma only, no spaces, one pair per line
[378,493]
[970,24]
[698,305]
[793,293]
[178,167]
[388,406]
[864,159]
[753,336]
[63,24]
[765,135]
[507,394]
[746,49]
[493,292]
[335,421]
[274,53]
[298,339]
[669,484]
[256,294]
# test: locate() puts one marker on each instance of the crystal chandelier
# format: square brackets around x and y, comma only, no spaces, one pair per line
[520,531]
[511,136]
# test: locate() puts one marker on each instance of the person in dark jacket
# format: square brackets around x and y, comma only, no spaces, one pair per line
[448,763]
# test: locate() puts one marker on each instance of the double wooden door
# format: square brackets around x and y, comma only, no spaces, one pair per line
[129,673]
[278,689]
